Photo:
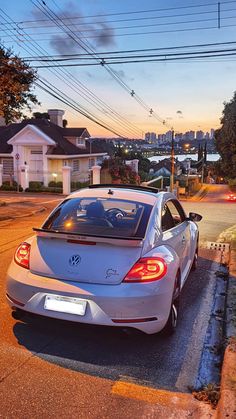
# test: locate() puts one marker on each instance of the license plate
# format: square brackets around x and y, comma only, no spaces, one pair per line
[68,305]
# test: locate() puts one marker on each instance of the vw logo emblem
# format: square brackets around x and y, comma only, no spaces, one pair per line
[74,260]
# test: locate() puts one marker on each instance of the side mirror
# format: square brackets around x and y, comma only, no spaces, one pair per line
[194,217]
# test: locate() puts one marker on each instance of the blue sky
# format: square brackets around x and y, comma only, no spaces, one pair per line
[197,89]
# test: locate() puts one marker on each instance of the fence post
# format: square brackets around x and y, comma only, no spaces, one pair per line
[96,174]
[1,173]
[24,176]
[66,180]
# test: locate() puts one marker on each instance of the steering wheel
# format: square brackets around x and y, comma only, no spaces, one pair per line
[115,214]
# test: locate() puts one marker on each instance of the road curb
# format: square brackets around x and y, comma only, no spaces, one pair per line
[197,196]
[200,194]
[227,405]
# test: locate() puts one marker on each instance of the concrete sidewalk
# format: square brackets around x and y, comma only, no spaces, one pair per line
[227,404]
[18,209]
[14,206]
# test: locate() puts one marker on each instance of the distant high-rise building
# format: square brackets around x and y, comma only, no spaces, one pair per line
[189,136]
[169,136]
[161,138]
[199,135]
[178,137]
[151,137]
[207,136]
[212,133]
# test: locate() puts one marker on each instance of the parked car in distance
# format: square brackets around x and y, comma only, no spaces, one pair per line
[231,197]
[115,255]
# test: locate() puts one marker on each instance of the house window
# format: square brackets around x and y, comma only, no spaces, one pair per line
[7,166]
[80,142]
[36,150]
[75,165]
[92,162]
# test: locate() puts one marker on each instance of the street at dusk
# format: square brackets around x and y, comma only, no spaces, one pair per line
[117,209]
[43,359]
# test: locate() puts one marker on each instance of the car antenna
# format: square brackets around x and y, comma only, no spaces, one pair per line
[110,192]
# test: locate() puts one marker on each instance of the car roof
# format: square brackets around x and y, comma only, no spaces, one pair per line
[138,194]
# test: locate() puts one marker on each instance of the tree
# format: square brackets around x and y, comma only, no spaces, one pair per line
[226,138]
[41,115]
[16,80]
[144,164]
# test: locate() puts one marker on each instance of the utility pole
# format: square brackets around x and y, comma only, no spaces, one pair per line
[172,161]
[202,176]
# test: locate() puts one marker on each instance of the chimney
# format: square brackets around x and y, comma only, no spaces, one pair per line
[56,116]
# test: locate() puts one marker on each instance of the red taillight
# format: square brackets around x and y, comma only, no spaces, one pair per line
[147,270]
[22,255]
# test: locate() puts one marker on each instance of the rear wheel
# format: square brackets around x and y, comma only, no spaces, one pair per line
[195,260]
[172,321]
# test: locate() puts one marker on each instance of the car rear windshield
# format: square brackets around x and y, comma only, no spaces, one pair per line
[100,217]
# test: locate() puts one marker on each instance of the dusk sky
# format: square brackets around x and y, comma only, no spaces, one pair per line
[187,94]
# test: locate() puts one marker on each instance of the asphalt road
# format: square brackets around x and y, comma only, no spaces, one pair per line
[218,214]
[51,368]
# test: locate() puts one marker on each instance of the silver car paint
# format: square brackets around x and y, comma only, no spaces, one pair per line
[117,300]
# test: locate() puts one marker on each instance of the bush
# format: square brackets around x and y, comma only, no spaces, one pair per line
[119,171]
[145,177]
[78,185]
[44,189]
[6,186]
[232,184]
[35,185]
[54,184]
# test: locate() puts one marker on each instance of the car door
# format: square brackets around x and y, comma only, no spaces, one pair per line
[176,233]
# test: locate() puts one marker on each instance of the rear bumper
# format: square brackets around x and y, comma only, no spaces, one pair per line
[110,305]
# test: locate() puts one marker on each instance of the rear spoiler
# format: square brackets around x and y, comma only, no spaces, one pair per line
[90,239]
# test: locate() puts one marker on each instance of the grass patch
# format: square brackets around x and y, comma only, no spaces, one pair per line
[209,394]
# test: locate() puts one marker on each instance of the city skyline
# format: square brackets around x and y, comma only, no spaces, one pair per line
[187,135]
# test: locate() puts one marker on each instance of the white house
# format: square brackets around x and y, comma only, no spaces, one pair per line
[45,147]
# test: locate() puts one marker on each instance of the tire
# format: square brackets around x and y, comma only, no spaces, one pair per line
[172,321]
[195,260]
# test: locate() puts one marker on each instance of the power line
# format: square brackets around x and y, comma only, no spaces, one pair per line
[81,55]
[197,29]
[185,22]
[63,71]
[111,29]
[64,99]
[132,61]
[133,12]
[141,56]
[88,48]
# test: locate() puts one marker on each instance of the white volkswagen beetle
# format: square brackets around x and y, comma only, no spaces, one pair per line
[114,255]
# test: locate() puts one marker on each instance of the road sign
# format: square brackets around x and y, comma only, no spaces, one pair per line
[17,156]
